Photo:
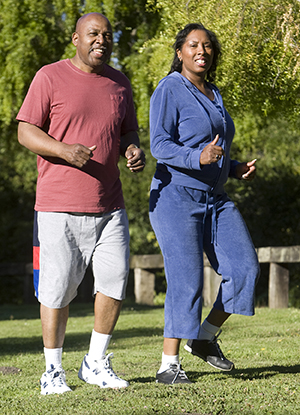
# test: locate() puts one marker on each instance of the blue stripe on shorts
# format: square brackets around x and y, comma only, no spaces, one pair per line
[36,255]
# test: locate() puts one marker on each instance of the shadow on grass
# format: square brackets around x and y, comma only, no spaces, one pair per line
[76,342]
[263,372]
[254,373]
[32,311]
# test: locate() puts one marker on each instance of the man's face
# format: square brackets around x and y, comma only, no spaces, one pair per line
[94,41]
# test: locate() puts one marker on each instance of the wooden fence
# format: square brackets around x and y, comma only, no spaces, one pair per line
[144,267]
[277,257]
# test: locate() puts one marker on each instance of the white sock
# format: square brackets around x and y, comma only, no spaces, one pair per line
[207,331]
[53,357]
[98,345]
[166,361]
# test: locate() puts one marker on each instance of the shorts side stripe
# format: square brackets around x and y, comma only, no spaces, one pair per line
[36,255]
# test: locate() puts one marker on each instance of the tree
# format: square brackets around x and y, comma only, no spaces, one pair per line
[32,33]
[259,71]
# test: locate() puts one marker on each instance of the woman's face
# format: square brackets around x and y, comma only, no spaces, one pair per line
[196,54]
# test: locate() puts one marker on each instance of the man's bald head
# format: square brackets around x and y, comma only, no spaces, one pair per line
[86,17]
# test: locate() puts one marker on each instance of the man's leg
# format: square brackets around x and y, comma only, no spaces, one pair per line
[107,311]
[110,262]
[96,367]
[54,322]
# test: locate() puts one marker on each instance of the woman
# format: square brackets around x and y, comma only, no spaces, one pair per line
[191,134]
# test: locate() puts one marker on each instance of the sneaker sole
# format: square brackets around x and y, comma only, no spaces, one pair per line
[55,393]
[171,384]
[100,386]
[104,387]
[190,350]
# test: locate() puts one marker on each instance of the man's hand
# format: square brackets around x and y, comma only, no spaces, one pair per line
[77,154]
[136,159]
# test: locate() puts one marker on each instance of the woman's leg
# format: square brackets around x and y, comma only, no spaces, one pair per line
[232,254]
[217,317]
[171,346]
[178,225]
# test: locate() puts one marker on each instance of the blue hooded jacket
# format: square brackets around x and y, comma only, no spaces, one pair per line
[182,122]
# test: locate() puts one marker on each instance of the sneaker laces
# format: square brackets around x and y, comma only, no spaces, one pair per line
[179,372]
[214,341]
[107,366]
[57,376]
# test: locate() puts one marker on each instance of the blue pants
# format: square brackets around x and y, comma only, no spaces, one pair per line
[186,223]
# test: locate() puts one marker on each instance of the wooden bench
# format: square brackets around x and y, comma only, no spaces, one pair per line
[278,292]
[144,277]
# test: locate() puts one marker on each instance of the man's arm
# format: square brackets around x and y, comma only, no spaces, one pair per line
[129,148]
[130,139]
[39,142]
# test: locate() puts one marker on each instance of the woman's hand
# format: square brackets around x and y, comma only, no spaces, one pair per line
[211,153]
[246,171]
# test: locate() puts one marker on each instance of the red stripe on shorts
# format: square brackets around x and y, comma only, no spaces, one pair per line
[36,257]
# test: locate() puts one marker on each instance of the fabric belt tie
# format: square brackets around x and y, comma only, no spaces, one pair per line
[213,217]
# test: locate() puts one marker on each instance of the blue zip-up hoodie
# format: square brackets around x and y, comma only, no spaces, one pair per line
[182,122]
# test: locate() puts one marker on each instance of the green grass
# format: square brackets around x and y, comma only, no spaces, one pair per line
[265,349]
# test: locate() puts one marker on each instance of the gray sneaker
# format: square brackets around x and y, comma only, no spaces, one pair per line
[174,374]
[210,352]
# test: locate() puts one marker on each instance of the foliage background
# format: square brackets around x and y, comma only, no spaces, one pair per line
[258,77]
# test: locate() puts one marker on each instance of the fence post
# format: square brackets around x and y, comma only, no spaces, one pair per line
[144,284]
[278,286]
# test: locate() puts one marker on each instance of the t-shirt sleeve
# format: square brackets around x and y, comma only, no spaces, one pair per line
[36,105]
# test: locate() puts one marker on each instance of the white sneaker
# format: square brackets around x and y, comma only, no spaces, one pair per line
[100,373]
[54,381]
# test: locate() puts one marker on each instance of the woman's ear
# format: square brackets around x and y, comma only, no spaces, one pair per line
[179,54]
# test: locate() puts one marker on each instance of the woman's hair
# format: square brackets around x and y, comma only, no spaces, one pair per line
[180,40]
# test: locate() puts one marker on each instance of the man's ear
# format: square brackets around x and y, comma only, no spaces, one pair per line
[75,38]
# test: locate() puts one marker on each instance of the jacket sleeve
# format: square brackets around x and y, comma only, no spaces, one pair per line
[232,171]
[164,143]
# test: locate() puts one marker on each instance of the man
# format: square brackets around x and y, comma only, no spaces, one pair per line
[78,117]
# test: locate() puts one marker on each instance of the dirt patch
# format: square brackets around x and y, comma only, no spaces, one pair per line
[6,370]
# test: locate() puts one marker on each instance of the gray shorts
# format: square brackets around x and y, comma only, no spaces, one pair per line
[69,242]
